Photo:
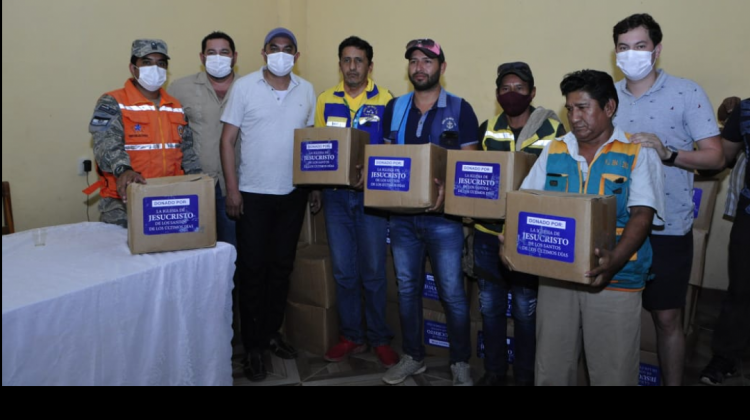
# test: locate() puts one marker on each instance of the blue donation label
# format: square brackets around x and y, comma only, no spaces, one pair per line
[697,199]
[319,156]
[548,237]
[649,375]
[430,288]
[477,180]
[436,334]
[167,215]
[389,174]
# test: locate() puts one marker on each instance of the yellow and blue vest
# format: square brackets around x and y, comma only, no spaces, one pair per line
[609,174]
[335,111]
[499,137]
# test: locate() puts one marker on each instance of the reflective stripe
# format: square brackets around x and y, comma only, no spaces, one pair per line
[542,143]
[499,136]
[175,110]
[139,108]
[142,147]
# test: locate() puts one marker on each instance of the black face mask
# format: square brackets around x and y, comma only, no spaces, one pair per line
[513,103]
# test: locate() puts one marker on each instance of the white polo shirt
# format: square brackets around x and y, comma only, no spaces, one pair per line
[647,179]
[267,122]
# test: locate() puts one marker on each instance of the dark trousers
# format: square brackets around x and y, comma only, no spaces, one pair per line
[732,333]
[267,236]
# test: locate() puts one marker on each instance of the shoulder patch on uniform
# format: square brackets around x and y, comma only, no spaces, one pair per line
[99,123]
[107,109]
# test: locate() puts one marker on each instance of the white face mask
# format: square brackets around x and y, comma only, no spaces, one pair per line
[280,64]
[218,66]
[152,78]
[636,65]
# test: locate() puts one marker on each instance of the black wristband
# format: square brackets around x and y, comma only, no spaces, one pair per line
[672,159]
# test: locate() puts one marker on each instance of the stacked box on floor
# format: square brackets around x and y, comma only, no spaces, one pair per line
[312,316]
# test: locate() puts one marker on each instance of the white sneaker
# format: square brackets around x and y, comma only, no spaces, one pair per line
[462,374]
[405,368]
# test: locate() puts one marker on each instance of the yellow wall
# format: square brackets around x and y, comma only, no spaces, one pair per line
[60,56]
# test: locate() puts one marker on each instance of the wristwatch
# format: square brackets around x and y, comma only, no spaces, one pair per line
[673,158]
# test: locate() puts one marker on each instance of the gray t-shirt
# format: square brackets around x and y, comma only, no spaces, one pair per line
[267,125]
[679,112]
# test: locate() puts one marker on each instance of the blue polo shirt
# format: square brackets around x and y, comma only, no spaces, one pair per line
[679,112]
[419,126]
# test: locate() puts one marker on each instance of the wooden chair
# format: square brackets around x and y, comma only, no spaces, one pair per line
[7,211]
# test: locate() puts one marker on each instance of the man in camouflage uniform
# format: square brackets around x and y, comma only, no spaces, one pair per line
[140,132]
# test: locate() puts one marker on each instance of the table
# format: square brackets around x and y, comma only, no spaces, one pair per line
[82,310]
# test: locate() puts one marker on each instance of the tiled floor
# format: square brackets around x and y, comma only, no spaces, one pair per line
[364,370]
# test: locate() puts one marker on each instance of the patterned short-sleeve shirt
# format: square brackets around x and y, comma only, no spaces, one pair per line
[679,112]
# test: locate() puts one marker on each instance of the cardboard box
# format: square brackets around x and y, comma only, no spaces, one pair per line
[328,156]
[650,372]
[477,181]
[402,178]
[312,282]
[700,243]
[691,307]
[705,191]
[172,214]
[435,333]
[319,230]
[306,236]
[313,229]
[555,234]
[313,329]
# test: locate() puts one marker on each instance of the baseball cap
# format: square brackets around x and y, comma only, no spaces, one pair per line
[520,69]
[429,47]
[144,47]
[280,32]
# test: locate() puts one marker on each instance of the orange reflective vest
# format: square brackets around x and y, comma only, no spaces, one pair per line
[153,137]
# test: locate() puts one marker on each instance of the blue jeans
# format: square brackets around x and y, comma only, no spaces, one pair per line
[226,230]
[412,238]
[495,281]
[357,238]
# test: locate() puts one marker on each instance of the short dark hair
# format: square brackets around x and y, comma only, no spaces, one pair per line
[217,35]
[636,21]
[598,84]
[359,43]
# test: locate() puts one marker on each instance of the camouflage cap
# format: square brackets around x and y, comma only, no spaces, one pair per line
[144,47]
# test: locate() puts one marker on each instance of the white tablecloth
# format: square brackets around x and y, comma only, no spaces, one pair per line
[83,311]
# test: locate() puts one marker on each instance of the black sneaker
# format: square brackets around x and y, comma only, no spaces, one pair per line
[717,370]
[254,368]
[491,379]
[282,349]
